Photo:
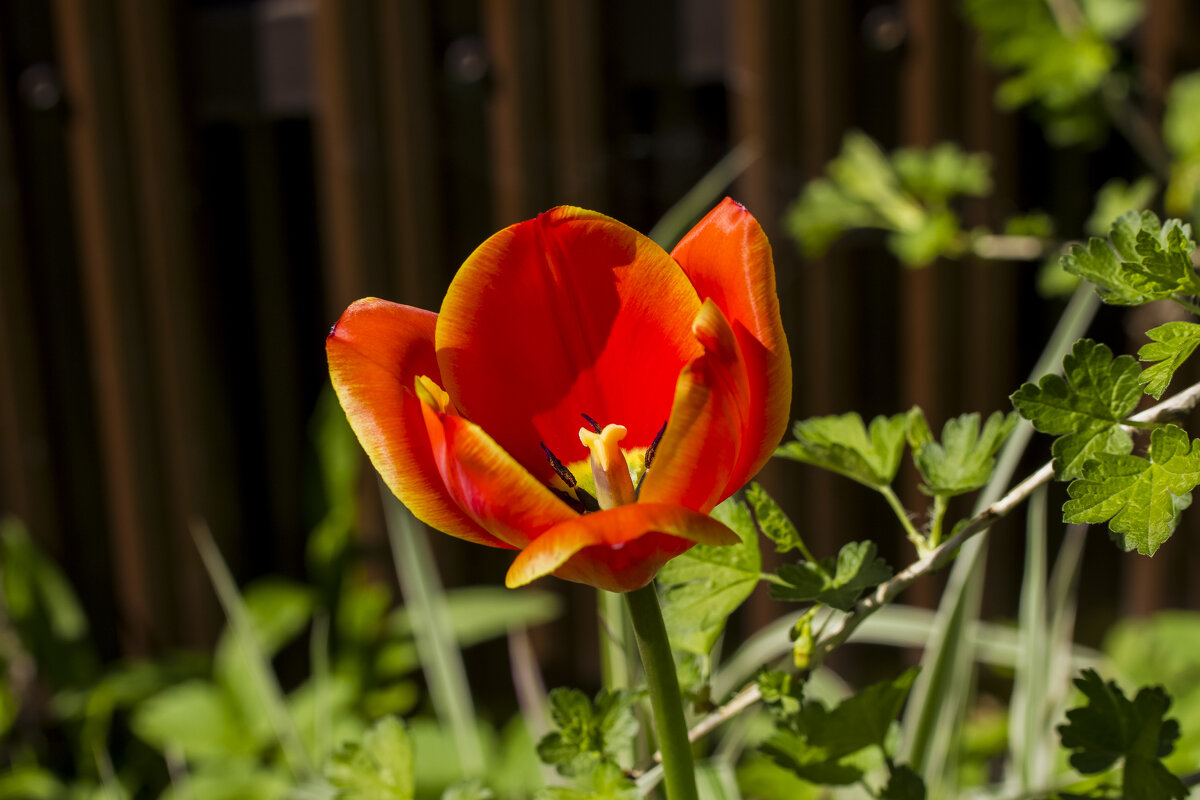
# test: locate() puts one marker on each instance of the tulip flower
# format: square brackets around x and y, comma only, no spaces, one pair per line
[582,396]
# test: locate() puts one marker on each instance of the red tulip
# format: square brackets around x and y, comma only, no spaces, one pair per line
[583,396]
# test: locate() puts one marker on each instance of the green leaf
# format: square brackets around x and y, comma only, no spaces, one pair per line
[481,613]
[1116,197]
[771,520]
[196,718]
[1111,727]
[588,735]
[844,445]
[605,782]
[29,783]
[1181,117]
[837,585]
[1084,407]
[1140,499]
[936,174]
[1112,19]
[1172,344]
[903,784]
[470,789]
[813,742]
[378,768]
[230,780]
[702,587]
[1152,260]
[1166,257]
[936,236]
[964,459]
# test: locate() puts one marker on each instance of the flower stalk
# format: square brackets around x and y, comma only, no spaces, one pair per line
[679,774]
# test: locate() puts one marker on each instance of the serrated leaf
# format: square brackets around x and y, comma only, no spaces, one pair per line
[1096,262]
[1172,344]
[1084,407]
[844,445]
[771,520]
[964,459]
[936,174]
[1152,260]
[836,584]
[587,735]
[813,742]
[1139,498]
[1111,727]
[378,768]
[1165,252]
[702,587]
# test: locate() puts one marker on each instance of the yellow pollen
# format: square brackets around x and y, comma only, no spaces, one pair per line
[614,486]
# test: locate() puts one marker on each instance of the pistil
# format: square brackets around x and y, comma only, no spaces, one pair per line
[614,487]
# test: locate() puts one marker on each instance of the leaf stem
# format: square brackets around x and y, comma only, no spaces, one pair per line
[1188,304]
[938,516]
[659,666]
[913,534]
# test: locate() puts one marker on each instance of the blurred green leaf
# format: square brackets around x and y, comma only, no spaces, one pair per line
[587,734]
[702,587]
[903,784]
[196,718]
[29,783]
[1170,345]
[1111,728]
[844,445]
[480,613]
[340,457]
[230,780]
[605,782]
[378,768]
[965,458]
[936,174]
[469,789]
[1115,198]
[837,585]
[1140,498]
[1084,407]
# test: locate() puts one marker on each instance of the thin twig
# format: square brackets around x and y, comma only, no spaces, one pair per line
[841,629]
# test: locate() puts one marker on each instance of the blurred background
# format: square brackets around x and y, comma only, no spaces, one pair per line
[191,192]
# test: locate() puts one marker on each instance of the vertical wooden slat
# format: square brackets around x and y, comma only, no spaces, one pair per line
[578,104]
[185,394]
[118,334]
[516,115]
[348,156]
[25,482]
[411,134]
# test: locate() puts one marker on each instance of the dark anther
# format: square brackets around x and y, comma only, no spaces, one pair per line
[654,445]
[588,502]
[595,425]
[650,451]
[570,500]
[558,467]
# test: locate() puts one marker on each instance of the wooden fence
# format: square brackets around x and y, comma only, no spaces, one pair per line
[191,193]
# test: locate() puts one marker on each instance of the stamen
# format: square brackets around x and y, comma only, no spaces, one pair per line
[558,467]
[595,425]
[609,468]
[637,490]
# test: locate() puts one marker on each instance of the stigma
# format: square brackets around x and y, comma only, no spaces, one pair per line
[614,486]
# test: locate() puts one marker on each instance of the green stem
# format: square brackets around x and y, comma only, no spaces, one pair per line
[914,535]
[1189,305]
[614,665]
[678,771]
[940,502]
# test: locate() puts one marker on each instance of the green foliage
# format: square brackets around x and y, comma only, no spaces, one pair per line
[378,768]
[702,587]
[1140,498]
[771,520]
[481,613]
[835,584]
[815,742]
[964,459]
[844,445]
[1058,64]
[1111,728]
[1115,199]
[1084,407]
[905,195]
[1181,132]
[605,781]
[903,784]
[587,734]
[1146,260]
[1171,345]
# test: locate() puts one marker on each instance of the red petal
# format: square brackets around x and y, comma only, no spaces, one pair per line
[375,352]
[489,484]
[569,313]
[699,449]
[621,549]
[727,257]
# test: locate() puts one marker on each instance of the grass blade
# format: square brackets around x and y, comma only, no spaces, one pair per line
[441,660]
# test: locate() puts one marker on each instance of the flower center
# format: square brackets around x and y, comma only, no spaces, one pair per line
[610,470]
